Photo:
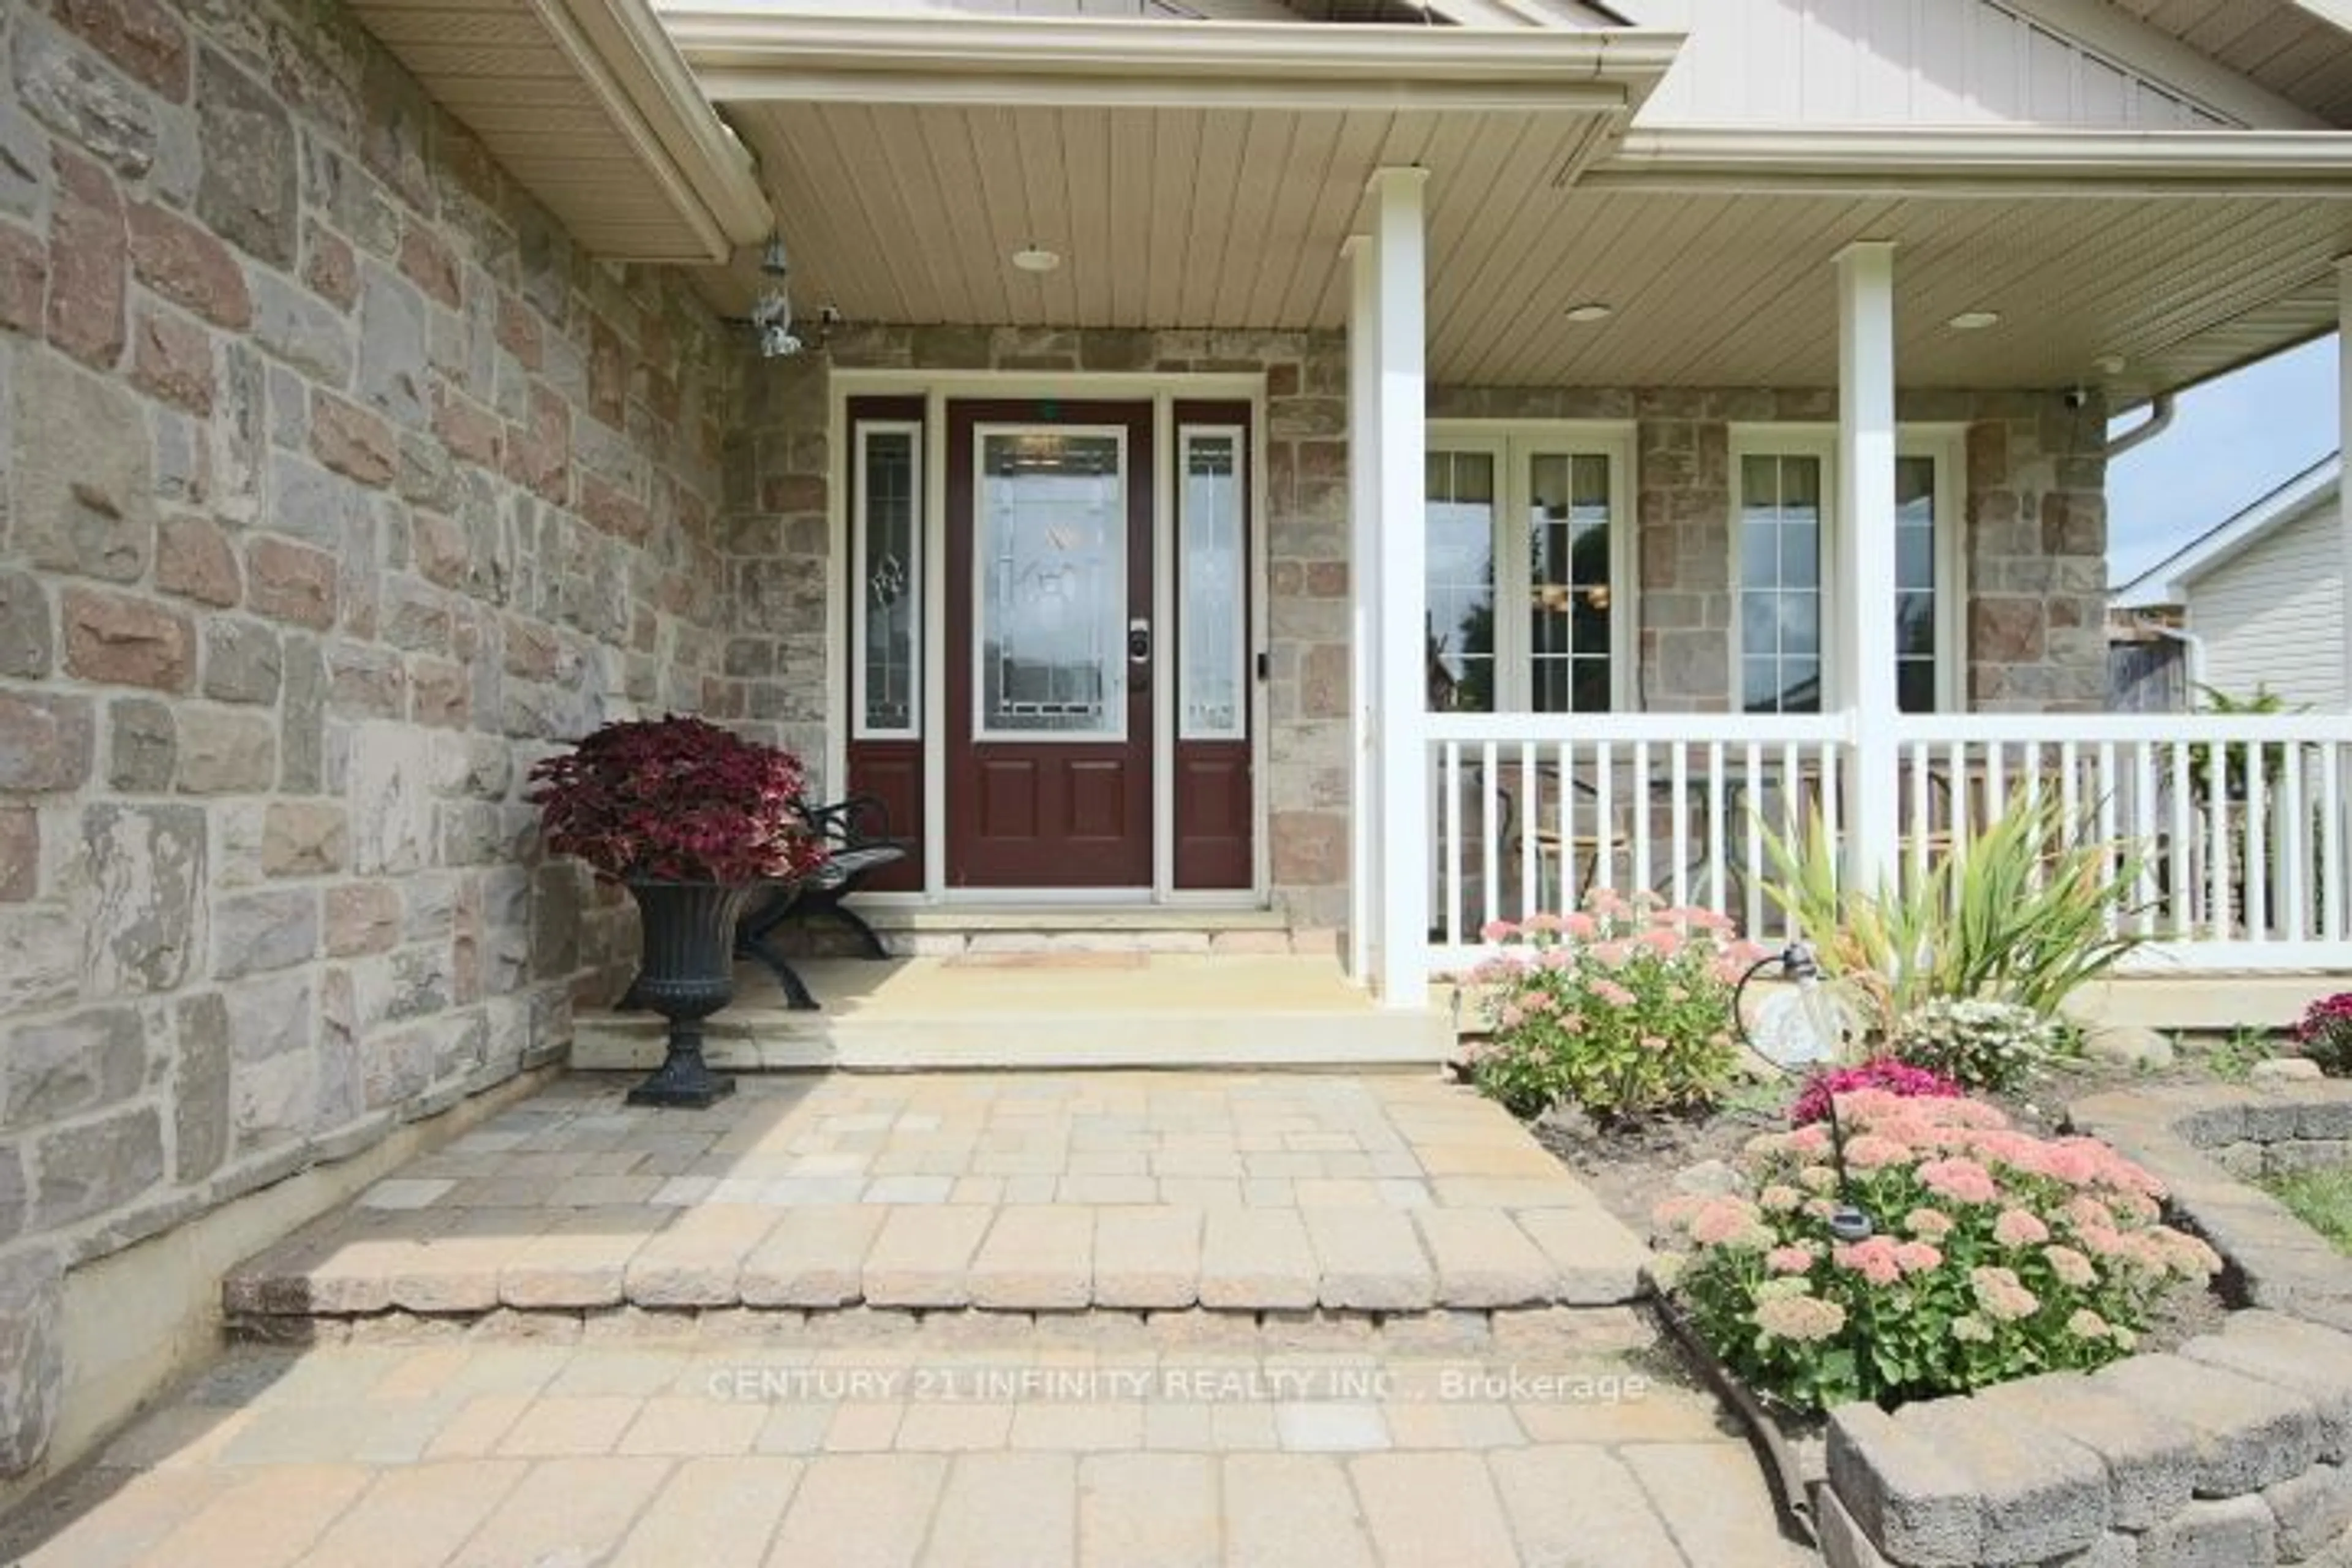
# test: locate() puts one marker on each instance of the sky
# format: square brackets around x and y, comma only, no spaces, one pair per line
[2231,441]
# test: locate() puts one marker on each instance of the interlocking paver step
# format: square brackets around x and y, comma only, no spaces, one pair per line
[1043,1193]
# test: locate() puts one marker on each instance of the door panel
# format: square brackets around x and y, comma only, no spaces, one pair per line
[1049,702]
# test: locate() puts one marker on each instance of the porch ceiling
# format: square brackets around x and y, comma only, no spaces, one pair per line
[1191,218]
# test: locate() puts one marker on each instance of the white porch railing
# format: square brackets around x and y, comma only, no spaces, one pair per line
[2242,824]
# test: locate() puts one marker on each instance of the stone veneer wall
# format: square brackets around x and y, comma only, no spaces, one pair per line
[779,477]
[339,484]
[2036,543]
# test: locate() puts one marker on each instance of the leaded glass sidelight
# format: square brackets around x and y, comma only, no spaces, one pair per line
[1211,690]
[1051,632]
[889,579]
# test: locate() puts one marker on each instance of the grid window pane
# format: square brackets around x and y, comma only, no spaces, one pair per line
[888,574]
[1779,584]
[1570,607]
[1460,630]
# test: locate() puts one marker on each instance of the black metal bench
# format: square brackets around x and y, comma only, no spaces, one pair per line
[856,835]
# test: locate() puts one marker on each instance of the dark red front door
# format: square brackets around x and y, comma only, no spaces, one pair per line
[1051,647]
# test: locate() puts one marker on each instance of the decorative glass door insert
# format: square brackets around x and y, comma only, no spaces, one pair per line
[1050,631]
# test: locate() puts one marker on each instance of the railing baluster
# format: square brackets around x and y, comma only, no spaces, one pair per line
[1678,821]
[2257,917]
[1644,799]
[1717,846]
[2295,857]
[1454,843]
[1490,823]
[2107,822]
[1564,759]
[1752,830]
[2217,845]
[2184,919]
[1996,784]
[2143,834]
[1531,824]
[1795,828]
[1604,810]
[2332,861]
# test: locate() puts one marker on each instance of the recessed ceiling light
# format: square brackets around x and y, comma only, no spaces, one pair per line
[1973,320]
[1036,258]
[1591,311]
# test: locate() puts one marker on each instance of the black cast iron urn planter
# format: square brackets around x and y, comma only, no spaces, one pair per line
[686,973]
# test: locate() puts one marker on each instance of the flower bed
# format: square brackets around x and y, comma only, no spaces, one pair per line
[2236,1449]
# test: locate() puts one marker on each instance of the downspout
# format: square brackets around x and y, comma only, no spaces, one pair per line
[2158,420]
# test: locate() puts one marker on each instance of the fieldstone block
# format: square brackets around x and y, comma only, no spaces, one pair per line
[145,871]
[303,719]
[193,559]
[389,784]
[32,1356]
[2040,1494]
[26,645]
[269,1018]
[87,1061]
[91,1167]
[226,750]
[117,640]
[46,742]
[2250,1434]
[187,264]
[254,932]
[200,1084]
[2226,1532]
[247,192]
[290,582]
[88,264]
[20,853]
[391,356]
[142,745]
[2151,1459]
[1910,1499]
[84,478]
[243,660]
[68,90]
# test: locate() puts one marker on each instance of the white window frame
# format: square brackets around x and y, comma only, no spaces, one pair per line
[1946,445]
[912,429]
[1512,443]
[1237,438]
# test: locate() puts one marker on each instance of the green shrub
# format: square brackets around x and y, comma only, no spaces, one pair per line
[1621,1008]
[2021,913]
[1982,1043]
[1997,1255]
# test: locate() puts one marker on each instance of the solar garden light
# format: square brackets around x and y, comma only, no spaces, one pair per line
[1801,968]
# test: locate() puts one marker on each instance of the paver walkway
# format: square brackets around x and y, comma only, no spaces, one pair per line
[1135,1191]
[1078,1440]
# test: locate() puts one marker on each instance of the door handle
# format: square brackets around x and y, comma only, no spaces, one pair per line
[1139,641]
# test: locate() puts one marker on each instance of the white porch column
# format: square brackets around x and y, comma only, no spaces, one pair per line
[1399,412]
[1866,553]
[2344,449]
[1364,836]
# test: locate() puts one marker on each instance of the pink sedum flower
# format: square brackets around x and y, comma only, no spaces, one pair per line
[1961,1180]
[1789,1260]
[1928,1225]
[1873,1259]
[1802,1319]
[1917,1257]
[2002,1295]
[2015,1227]
[2069,1267]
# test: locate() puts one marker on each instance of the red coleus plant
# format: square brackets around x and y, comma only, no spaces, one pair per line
[676,799]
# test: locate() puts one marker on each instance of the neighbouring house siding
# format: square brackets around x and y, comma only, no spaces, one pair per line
[340,486]
[2272,614]
[1900,62]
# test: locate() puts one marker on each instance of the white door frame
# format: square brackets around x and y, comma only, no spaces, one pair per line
[937,389]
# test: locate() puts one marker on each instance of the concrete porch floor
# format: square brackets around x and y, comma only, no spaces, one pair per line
[1067,1008]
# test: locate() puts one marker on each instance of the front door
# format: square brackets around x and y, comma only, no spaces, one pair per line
[1050,645]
